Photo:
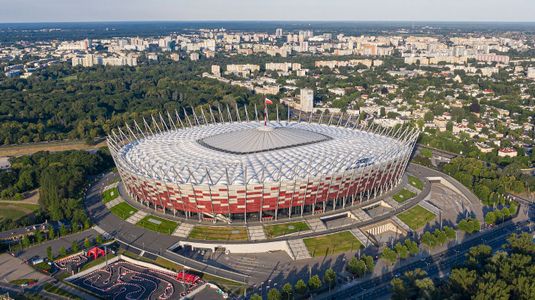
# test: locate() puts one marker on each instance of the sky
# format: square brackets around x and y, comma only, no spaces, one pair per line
[276,10]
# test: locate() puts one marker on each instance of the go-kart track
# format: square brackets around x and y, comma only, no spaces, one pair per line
[123,280]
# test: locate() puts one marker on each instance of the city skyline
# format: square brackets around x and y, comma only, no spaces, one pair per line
[277,10]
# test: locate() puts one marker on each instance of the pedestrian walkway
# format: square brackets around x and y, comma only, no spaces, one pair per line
[401,224]
[430,207]
[114,202]
[361,236]
[360,214]
[299,249]
[183,230]
[316,224]
[256,233]
[74,291]
[390,201]
[136,217]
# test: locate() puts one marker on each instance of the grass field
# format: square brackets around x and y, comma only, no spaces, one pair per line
[97,261]
[218,233]
[110,194]
[27,149]
[123,210]
[332,243]
[158,224]
[15,211]
[416,182]
[416,217]
[286,228]
[403,195]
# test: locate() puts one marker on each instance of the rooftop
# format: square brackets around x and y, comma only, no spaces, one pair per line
[261,139]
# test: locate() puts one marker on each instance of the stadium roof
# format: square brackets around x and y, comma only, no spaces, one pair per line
[240,153]
[262,138]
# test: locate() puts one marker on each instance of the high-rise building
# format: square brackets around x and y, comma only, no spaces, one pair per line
[278,33]
[531,73]
[216,70]
[307,100]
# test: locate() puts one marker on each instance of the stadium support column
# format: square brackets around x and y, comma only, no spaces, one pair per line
[228,194]
[245,184]
[292,199]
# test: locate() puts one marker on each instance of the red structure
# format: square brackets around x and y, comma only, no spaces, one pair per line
[95,252]
[187,278]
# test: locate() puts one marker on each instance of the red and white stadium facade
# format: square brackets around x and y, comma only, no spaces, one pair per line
[224,165]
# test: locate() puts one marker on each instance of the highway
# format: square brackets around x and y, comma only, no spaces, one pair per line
[435,266]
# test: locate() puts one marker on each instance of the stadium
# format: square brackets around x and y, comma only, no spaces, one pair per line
[233,168]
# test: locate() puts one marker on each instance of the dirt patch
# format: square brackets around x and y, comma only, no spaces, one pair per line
[19,150]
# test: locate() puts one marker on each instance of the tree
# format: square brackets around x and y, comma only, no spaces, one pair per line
[49,253]
[98,239]
[401,250]
[300,287]
[412,247]
[51,233]
[330,277]
[478,255]
[314,282]
[450,232]
[274,294]
[62,251]
[87,243]
[255,297]
[462,281]
[38,236]
[287,290]
[63,230]
[490,218]
[25,242]
[356,267]
[370,264]
[389,255]
[74,246]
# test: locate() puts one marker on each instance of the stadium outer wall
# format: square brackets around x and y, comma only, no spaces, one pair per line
[263,201]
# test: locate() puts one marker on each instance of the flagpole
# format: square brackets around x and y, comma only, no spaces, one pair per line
[265,113]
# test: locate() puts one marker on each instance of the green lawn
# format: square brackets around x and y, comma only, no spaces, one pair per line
[416,182]
[97,261]
[416,217]
[286,228]
[110,194]
[403,195]
[69,78]
[123,210]
[158,224]
[22,281]
[15,211]
[332,243]
[218,233]
[58,291]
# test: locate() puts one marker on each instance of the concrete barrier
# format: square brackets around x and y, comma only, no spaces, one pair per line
[242,248]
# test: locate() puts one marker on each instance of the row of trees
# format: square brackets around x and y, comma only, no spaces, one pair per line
[506,274]
[500,215]
[300,288]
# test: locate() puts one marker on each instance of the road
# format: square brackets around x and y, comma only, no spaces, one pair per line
[435,266]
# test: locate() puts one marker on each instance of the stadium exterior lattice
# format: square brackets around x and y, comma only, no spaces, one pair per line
[230,167]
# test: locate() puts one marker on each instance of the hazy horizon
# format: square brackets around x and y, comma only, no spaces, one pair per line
[51,11]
